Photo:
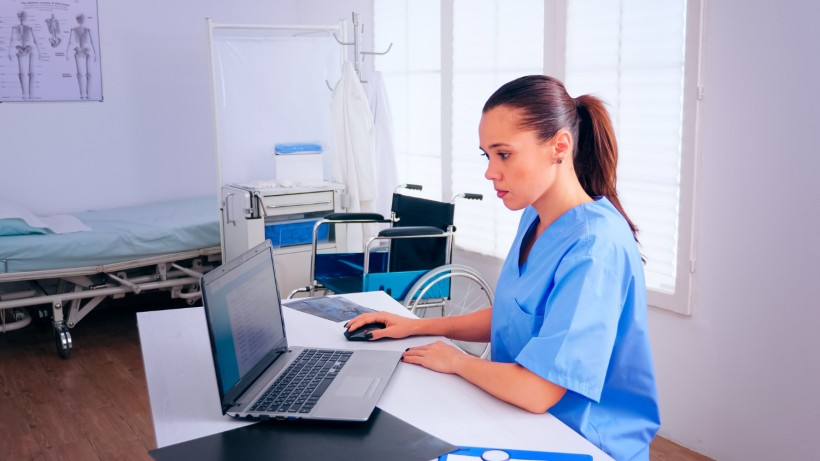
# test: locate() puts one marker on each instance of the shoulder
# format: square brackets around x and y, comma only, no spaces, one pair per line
[601,233]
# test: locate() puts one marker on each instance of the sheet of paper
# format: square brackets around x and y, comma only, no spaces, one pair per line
[335,308]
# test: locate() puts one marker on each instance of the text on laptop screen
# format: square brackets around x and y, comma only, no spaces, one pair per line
[246,319]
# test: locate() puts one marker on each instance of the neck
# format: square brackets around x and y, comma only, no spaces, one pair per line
[565,194]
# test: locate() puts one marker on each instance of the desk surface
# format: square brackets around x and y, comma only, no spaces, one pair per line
[185,404]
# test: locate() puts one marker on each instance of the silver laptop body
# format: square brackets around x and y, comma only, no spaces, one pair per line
[250,351]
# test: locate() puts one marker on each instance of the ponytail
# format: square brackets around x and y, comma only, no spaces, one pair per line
[596,153]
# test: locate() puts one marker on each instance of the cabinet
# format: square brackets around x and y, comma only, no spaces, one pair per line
[253,212]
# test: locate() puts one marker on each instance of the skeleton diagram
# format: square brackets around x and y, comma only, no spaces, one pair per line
[80,41]
[54,29]
[21,45]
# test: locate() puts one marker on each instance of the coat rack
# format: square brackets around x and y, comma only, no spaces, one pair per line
[359,55]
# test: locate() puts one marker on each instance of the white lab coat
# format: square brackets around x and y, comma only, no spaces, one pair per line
[386,171]
[354,146]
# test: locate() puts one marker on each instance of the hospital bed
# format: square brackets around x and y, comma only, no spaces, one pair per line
[129,250]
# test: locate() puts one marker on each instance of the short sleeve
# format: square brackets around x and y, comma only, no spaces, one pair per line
[575,342]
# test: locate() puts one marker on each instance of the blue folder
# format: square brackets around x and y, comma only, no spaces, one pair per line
[519,454]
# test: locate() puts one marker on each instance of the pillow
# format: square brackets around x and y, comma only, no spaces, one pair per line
[17,220]
[18,226]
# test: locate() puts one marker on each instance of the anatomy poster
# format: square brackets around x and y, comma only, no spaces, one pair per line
[49,51]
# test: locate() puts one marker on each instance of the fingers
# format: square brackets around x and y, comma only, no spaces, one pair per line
[361,319]
[379,334]
[436,356]
[396,326]
[423,351]
[386,318]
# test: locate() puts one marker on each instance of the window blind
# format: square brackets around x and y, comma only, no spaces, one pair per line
[412,77]
[630,53]
[494,42]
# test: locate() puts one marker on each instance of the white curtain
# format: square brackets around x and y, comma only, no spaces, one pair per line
[270,89]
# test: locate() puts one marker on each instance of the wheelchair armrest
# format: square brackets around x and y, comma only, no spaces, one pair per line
[411,231]
[369,217]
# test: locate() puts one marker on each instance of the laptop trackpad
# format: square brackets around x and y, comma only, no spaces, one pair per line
[357,387]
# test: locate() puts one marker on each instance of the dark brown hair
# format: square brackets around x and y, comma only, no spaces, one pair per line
[546,107]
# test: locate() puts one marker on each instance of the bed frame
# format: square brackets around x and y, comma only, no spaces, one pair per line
[68,295]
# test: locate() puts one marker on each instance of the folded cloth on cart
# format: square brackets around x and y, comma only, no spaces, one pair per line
[117,235]
[287,148]
[15,219]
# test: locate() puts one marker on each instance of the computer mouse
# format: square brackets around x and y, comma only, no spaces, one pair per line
[361,333]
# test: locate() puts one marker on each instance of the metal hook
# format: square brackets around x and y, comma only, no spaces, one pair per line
[379,53]
[341,42]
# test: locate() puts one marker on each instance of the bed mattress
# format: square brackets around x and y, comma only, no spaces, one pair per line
[118,235]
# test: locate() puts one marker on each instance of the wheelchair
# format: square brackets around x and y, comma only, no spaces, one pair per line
[411,260]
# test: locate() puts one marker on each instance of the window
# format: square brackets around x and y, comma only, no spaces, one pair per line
[639,56]
[494,41]
[632,54]
[412,76]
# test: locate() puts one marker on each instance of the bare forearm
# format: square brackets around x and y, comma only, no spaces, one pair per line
[511,383]
[474,326]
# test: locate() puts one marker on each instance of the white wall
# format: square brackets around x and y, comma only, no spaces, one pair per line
[739,380]
[152,137]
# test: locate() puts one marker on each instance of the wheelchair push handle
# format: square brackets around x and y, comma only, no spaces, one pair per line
[468,196]
[408,187]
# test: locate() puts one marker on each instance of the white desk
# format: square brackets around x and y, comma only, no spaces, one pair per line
[185,404]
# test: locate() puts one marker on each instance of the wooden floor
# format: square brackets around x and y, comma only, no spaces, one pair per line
[94,405]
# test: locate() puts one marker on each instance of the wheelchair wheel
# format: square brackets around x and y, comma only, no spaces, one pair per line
[450,290]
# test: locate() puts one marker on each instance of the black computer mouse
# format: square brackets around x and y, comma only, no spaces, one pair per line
[361,333]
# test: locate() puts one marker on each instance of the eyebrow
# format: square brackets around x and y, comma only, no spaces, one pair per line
[496,145]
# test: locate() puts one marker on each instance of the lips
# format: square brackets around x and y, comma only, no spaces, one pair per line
[501,193]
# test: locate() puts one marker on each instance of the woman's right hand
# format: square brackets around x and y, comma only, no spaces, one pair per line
[397,326]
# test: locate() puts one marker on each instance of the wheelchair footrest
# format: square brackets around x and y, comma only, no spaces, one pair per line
[342,285]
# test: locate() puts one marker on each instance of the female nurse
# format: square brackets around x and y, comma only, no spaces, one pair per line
[568,324]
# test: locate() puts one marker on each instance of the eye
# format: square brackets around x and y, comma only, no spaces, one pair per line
[504,155]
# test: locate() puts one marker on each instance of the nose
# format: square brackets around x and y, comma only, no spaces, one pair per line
[491,173]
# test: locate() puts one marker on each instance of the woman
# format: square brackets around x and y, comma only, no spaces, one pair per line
[568,324]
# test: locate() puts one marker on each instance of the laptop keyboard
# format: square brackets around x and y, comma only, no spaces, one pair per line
[305,380]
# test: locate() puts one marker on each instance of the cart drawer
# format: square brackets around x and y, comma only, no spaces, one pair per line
[278,205]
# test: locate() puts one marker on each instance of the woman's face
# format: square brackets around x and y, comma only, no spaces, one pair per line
[520,166]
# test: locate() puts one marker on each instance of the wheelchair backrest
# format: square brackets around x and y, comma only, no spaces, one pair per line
[423,253]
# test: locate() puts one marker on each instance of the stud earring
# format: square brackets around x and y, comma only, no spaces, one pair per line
[559,161]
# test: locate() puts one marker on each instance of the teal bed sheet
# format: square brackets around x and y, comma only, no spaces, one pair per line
[118,235]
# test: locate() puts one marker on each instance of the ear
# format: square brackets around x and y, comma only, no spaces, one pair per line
[563,145]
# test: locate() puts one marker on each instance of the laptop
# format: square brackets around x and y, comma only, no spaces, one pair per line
[259,375]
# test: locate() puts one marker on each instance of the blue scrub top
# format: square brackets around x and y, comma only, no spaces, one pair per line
[575,314]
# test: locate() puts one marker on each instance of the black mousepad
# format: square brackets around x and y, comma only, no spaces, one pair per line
[382,437]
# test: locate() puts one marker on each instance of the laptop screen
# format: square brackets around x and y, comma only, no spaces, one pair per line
[242,306]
